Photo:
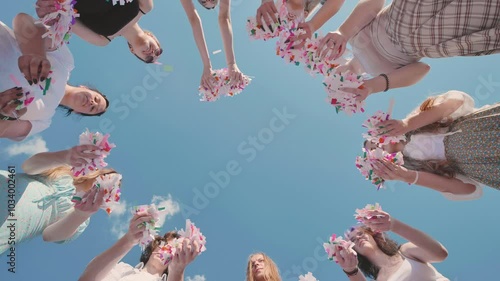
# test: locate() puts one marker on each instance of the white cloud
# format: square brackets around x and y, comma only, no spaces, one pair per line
[196,278]
[119,224]
[29,147]
[171,207]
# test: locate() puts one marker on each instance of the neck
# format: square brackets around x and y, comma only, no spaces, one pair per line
[152,269]
[68,92]
[131,33]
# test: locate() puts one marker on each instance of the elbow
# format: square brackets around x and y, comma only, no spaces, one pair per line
[20,19]
[47,237]
[425,68]
[441,254]
[224,17]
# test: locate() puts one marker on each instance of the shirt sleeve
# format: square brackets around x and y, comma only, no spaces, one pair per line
[478,193]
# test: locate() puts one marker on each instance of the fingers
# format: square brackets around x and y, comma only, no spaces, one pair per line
[86,151]
[10,109]
[10,95]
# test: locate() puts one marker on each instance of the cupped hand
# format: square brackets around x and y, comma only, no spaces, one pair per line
[267,13]
[235,75]
[45,7]
[347,260]
[393,128]
[81,154]
[137,227]
[185,253]
[379,222]
[207,79]
[34,67]
[333,45]
[360,93]
[391,171]
[91,201]
[299,40]
[9,100]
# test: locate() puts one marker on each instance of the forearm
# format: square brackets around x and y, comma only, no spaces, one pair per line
[101,265]
[363,14]
[197,27]
[402,77]
[44,161]
[14,129]
[432,115]
[29,35]
[424,248]
[65,227]
[226,31]
[326,12]
[441,183]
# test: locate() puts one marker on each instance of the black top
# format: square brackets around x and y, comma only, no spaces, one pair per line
[104,18]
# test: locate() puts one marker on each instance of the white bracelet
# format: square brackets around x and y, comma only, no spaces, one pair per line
[416,178]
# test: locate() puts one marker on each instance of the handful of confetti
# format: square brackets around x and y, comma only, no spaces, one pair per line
[284,47]
[32,92]
[313,63]
[368,212]
[223,86]
[105,147]
[260,32]
[370,157]
[59,22]
[372,124]
[112,192]
[333,243]
[308,277]
[153,226]
[167,251]
[341,100]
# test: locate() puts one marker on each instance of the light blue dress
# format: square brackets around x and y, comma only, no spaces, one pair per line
[37,205]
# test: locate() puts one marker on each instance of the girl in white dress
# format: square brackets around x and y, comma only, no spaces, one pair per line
[382,259]
[451,147]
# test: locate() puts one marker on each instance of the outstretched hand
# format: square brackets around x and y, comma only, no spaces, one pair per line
[185,253]
[80,155]
[299,41]
[137,227]
[334,44]
[360,93]
[34,67]
[9,101]
[267,13]
[207,79]
[347,260]
[235,75]
[91,202]
[391,171]
[393,128]
[380,221]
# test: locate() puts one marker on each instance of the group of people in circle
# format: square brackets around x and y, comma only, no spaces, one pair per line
[452,146]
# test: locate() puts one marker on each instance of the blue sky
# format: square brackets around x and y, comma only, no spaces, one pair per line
[296,187]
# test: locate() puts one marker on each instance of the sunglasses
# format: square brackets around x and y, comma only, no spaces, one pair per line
[150,59]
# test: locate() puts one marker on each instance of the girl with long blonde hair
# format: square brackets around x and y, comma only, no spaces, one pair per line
[40,199]
[451,146]
[261,267]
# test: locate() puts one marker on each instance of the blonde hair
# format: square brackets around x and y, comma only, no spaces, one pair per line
[439,167]
[272,271]
[54,174]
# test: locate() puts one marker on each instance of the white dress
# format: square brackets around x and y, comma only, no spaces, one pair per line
[430,146]
[40,111]
[411,270]
[125,272]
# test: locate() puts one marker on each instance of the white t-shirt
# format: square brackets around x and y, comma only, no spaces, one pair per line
[40,111]
[411,270]
[125,272]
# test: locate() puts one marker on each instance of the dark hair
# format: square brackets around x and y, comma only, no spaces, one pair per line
[69,110]
[146,254]
[200,1]
[387,246]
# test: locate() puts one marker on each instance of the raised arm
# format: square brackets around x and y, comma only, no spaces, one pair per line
[102,264]
[364,12]
[199,36]
[45,161]
[66,227]
[185,254]
[391,171]
[421,247]
[326,12]
[226,30]
[15,130]
[402,77]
